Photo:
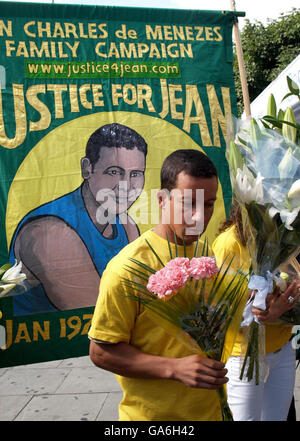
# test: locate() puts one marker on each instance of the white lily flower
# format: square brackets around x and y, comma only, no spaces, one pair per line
[286,216]
[13,274]
[247,186]
[293,195]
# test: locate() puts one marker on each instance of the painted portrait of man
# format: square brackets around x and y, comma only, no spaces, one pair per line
[65,244]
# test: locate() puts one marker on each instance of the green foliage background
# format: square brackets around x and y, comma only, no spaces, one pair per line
[267,50]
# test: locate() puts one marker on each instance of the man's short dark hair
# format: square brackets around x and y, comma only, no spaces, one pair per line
[192,162]
[113,135]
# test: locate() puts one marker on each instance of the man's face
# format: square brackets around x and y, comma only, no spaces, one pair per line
[118,178]
[190,207]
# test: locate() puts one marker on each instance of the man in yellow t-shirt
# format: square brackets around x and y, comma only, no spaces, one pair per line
[161,377]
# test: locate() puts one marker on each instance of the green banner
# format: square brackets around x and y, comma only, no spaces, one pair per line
[72,79]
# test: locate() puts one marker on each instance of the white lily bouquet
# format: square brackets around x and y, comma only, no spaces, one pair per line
[265,177]
[193,300]
[11,280]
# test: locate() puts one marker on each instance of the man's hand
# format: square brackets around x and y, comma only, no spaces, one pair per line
[200,372]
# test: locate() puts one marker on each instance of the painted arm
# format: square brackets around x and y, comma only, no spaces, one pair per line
[54,255]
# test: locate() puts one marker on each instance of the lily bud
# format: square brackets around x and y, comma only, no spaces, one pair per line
[282,281]
[272,108]
[286,165]
[293,195]
[289,132]
[254,133]
[234,157]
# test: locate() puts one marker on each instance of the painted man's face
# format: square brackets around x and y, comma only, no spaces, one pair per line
[117,179]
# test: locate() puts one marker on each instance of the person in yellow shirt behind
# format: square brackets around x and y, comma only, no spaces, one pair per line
[270,399]
[161,377]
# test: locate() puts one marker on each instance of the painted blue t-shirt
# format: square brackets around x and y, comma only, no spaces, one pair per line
[71,209]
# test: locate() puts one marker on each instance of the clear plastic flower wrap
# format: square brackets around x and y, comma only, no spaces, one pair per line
[265,177]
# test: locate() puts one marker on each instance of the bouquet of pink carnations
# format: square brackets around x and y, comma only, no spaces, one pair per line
[194,295]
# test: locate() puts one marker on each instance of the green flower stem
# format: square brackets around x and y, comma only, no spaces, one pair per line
[226,412]
[252,354]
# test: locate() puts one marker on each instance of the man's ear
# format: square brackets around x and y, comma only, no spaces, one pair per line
[86,168]
[163,197]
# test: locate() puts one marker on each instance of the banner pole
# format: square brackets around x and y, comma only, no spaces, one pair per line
[240,57]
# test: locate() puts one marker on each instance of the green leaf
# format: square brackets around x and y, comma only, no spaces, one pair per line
[4,268]
[294,89]
[154,252]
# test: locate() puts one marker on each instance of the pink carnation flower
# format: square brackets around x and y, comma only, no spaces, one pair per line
[177,272]
[170,278]
[201,267]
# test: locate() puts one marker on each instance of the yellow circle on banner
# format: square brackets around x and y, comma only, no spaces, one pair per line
[52,168]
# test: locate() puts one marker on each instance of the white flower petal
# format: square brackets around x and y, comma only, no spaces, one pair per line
[13,274]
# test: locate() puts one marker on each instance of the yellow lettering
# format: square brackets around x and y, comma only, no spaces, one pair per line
[97,94]
[9,44]
[42,52]
[44,29]
[83,98]
[45,115]
[115,94]
[73,98]
[20,119]
[113,51]
[102,28]
[217,116]
[165,98]
[7,28]
[9,334]
[70,29]
[58,89]
[173,88]
[58,31]
[216,31]
[97,50]
[22,333]
[132,92]
[155,34]
[200,31]
[145,94]
[27,31]
[193,98]
[209,34]
[37,329]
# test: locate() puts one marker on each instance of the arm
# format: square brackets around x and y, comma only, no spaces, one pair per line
[54,255]
[126,360]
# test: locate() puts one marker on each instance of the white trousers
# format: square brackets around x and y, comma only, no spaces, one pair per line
[269,400]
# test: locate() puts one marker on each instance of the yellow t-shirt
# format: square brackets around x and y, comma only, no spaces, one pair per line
[120,319]
[227,244]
